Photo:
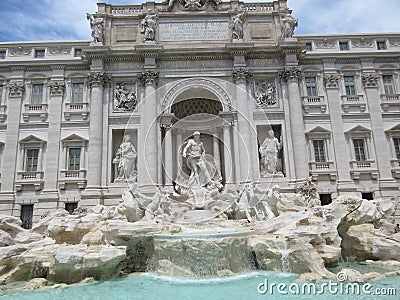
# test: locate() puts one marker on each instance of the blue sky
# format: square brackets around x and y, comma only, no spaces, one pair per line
[35,20]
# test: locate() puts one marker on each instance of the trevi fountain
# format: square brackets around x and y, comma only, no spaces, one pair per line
[201,234]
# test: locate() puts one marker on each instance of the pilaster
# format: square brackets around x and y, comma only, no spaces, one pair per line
[291,75]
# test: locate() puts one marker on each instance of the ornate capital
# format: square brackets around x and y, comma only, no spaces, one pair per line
[290,73]
[240,74]
[331,81]
[98,78]
[57,88]
[370,80]
[149,77]
[16,89]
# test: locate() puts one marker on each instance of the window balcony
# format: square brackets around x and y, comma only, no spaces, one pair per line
[353,103]
[395,168]
[390,102]
[314,104]
[3,112]
[76,111]
[35,112]
[77,177]
[323,168]
[25,178]
[367,167]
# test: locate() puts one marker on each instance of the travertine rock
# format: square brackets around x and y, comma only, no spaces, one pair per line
[366,242]
[76,262]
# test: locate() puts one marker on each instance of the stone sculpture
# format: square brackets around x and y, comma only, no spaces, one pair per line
[149,25]
[269,153]
[124,99]
[199,172]
[192,4]
[265,93]
[252,203]
[289,24]
[237,26]
[125,160]
[97,27]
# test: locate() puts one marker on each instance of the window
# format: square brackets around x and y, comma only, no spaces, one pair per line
[381,45]
[70,207]
[27,216]
[2,54]
[388,84]
[396,142]
[367,196]
[308,47]
[311,84]
[40,53]
[319,150]
[74,159]
[349,85]
[77,93]
[31,160]
[37,94]
[325,199]
[1,94]
[343,46]
[359,149]
[78,52]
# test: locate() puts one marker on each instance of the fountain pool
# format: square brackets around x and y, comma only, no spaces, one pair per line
[151,286]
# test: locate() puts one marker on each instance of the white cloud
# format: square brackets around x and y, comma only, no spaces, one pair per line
[341,16]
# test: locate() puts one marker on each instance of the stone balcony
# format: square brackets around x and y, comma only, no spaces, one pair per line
[353,103]
[366,167]
[390,103]
[35,112]
[395,168]
[314,104]
[25,178]
[76,111]
[3,112]
[323,168]
[77,177]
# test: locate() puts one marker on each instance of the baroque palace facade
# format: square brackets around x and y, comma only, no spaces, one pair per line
[233,71]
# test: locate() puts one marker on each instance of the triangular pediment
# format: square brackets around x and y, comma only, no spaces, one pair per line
[394,128]
[31,139]
[318,129]
[74,138]
[359,128]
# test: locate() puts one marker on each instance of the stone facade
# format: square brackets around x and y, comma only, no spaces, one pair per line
[65,107]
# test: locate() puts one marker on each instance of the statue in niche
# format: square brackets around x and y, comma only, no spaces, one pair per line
[97,27]
[125,160]
[237,26]
[269,153]
[149,25]
[265,93]
[289,24]
[124,100]
[199,171]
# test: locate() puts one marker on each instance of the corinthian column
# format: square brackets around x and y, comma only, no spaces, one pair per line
[291,76]
[97,81]
[241,76]
[51,175]
[148,153]
[370,81]
[15,93]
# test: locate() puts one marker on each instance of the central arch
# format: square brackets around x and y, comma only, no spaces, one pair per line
[192,88]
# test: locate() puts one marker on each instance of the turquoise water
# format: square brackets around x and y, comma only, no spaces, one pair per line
[149,286]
